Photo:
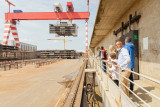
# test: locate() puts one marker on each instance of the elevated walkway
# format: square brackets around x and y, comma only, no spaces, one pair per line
[144,95]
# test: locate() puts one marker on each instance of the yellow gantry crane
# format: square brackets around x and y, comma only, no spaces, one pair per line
[64,40]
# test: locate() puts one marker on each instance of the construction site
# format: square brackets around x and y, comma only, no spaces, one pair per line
[68,53]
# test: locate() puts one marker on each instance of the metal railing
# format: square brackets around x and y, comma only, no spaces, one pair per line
[99,66]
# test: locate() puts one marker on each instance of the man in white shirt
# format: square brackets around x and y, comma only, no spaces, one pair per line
[123,63]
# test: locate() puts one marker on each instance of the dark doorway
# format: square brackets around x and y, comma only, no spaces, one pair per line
[133,34]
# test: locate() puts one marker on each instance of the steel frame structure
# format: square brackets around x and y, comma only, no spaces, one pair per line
[12,18]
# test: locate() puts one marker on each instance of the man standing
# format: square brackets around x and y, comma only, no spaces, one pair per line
[123,63]
[131,49]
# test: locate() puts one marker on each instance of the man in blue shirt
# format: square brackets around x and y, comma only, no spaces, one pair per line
[131,49]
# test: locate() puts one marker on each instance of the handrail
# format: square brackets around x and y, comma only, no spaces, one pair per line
[140,87]
[154,80]
[129,89]
[149,78]
[135,95]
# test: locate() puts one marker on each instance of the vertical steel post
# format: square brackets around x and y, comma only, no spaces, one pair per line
[86,38]
[9,7]
[15,35]
[88,4]
[64,44]
[7,29]
[120,88]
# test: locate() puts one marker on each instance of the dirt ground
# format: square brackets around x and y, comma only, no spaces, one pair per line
[35,87]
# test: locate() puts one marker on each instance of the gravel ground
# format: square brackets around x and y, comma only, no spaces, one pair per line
[35,87]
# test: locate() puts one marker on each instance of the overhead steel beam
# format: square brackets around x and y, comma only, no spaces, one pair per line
[11,17]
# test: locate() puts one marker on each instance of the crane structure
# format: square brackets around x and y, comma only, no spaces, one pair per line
[12,18]
[64,41]
[9,3]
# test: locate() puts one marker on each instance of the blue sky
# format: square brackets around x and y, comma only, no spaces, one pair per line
[37,32]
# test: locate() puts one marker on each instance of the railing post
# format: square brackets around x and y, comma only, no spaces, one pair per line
[101,71]
[94,64]
[107,87]
[120,93]
[97,67]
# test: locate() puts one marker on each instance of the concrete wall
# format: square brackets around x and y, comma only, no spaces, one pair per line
[148,26]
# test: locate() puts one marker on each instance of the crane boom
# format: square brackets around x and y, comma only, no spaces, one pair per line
[64,40]
[60,39]
[11,17]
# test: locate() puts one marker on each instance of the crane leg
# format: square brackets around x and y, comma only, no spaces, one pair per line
[7,29]
[15,34]
[86,38]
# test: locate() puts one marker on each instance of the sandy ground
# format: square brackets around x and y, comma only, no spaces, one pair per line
[35,87]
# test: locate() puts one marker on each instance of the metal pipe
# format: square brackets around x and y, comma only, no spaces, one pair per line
[149,78]
[140,87]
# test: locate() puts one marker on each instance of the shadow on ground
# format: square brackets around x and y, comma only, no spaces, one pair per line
[143,95]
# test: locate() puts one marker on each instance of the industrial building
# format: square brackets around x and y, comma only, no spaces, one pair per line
[11,51]
[62,54]
[23,46]
[29,51]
